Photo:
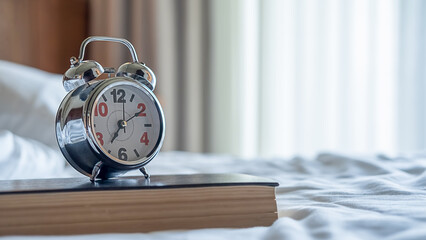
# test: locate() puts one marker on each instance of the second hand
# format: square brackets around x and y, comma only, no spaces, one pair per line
[124,119]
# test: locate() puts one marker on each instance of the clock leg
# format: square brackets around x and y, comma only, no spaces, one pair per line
[144,172]
[96,170]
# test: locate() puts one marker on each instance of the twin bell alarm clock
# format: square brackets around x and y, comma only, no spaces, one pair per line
[106,127]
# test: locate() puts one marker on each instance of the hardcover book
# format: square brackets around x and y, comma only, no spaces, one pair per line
[134,204]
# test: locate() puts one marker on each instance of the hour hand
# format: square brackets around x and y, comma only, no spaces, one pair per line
[121,124]
[115,135]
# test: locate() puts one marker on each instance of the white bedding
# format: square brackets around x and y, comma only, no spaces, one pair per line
[329,197]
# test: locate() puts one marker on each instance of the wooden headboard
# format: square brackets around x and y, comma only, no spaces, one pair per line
[42,33]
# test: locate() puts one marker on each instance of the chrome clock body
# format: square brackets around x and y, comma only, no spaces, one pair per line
[77,139]
[75,125]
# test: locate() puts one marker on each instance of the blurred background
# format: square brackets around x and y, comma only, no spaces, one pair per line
[251,77]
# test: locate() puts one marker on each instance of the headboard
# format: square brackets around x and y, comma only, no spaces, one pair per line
[42,33]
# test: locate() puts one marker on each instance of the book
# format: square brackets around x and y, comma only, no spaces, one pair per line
[67,206]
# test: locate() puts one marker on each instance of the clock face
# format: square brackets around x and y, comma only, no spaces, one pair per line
[126,123]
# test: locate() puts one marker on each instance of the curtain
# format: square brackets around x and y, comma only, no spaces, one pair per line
[411,76]
[335,77]
[278,77]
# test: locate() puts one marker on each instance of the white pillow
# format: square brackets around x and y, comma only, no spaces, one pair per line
[29,99]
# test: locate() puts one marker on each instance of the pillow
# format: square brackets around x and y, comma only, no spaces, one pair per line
[29,99]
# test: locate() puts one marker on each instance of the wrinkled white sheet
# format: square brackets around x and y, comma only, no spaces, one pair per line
[23,158]
[330,197]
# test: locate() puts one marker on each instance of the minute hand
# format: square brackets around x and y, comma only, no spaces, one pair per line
[135,115]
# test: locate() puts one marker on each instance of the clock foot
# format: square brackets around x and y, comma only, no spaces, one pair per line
[96,170]
[144,172]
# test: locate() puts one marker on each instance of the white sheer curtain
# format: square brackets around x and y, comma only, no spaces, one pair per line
[299,77]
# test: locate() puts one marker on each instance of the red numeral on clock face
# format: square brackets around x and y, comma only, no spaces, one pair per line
[100,138]
[103,109]
[144,138]
[142,107]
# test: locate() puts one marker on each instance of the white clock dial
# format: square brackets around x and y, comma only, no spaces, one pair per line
[126,122]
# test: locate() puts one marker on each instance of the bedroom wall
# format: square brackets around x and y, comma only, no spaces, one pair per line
[42,33]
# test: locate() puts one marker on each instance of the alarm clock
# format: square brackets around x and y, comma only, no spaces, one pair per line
[106,127]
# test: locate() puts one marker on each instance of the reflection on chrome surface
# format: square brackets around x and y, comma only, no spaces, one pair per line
[74,131]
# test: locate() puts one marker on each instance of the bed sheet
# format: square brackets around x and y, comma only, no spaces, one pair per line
[328,197]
